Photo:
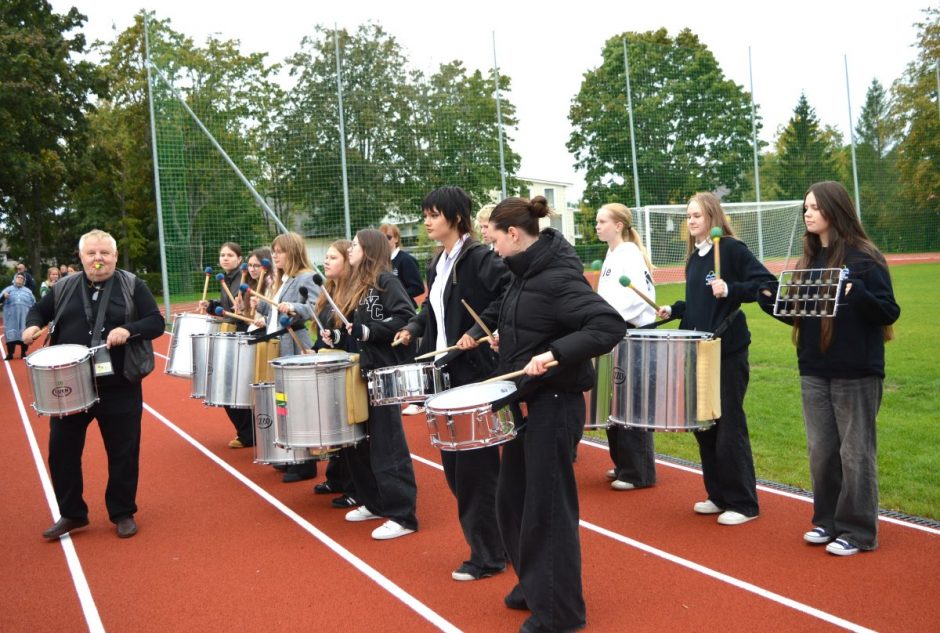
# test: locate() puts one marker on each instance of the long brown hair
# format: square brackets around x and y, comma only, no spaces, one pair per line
[711,208]
[845,233]
[261,254]
[340,288]
[292,245]
[621,213]
[376,259]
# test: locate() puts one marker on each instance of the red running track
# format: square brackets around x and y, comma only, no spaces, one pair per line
[224,545]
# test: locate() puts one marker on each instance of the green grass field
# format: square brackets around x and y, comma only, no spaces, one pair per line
[909,420]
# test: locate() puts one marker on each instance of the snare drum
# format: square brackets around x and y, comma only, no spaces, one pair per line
[185,326]
[311,401]
[63,379]
[264,414]
[403,384]
[230,370]
[461,419]
[670,380]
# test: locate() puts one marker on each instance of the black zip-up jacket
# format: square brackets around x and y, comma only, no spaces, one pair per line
[702,312]
[857,348]
[549,305]
[479,277]
[384,312]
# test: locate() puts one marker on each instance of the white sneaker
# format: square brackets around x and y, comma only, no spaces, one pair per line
[412,409]
[706,507]
[730,517]
[361,514]
[616,484]
[612,473]
[390,530]
[818,536]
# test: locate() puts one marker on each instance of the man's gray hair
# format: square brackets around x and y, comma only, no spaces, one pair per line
[96,234]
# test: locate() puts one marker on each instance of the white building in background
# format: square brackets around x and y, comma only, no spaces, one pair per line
[556,193]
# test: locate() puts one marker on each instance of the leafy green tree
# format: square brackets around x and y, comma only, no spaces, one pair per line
[917,107]
[693,125]
[45,97]
[806,153]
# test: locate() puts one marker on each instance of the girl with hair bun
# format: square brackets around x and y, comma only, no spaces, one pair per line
[549,313]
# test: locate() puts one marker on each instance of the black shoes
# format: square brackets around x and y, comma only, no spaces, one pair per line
[344,502]
[324,488]
[515,600]
[469,571]
[64,526]
[126,527]
[290,477]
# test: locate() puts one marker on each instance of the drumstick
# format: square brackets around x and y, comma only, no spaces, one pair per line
[716,233]
[515,374]
[244,268]
[285,321]
[318,280]
[39,333]
[221,279]
[205,286]
[476,318]
[447,349]
[220,312]
[626,283]
[266,300]
[306,296]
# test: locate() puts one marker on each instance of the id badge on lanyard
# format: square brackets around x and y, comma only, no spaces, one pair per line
[102,357]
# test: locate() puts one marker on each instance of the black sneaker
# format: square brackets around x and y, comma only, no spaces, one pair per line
[469,571]
[344,502]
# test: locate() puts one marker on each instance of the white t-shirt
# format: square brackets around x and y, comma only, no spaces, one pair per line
[436,294]
[627,260]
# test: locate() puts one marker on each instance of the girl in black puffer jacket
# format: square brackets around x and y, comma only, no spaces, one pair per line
[549,313]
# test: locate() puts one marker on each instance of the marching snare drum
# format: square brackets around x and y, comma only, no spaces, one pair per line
[462,418]
[179,362]
[670,380]
[230,369]
[264,414]
[311,401]
[404,384]
[63,379]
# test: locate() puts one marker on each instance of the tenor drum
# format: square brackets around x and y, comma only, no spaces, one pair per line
[598,411]
[230,370]
[63,379]
[311,401]
[462,418]
[670,380]
[200,356]
[264,414]
[403,384]
[185,326]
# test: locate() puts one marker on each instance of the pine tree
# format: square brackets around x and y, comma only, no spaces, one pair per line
[806,151]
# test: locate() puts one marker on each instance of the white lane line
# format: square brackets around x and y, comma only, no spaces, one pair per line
[87,601]
[717,575]
[410,601]
[781,493]
[731,580]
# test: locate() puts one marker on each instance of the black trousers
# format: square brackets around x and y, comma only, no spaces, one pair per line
[118,414]
[537,508]
[381,468]
[633,454]
[725,448]
[472,476]
[244,424]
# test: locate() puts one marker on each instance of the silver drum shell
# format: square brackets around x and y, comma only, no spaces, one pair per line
[63,379]
[404,384]
[230,371]
[264,414]
[179,361]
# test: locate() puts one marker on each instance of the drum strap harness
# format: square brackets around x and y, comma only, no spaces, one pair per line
[102,362]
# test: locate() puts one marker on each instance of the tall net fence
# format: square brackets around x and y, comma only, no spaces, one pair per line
[347,133]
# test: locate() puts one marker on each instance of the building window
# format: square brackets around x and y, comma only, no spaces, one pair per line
[550,197]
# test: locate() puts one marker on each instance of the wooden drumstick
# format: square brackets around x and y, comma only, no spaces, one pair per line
[266,300]
[716,234]
[220,312]
[447,349]
[228,292]
[515,374]
[285,322]
[626,283]
[39,333]
[244,268]
[205,286]
[477,318]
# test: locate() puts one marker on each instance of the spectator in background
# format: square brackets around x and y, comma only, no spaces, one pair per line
[483,223]
[63,270]
[52,276]
[30,282]
[404,265]
[16,300]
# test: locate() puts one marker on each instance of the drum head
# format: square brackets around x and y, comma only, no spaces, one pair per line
[471,395]
[669,335]
[312,360]
[57,355]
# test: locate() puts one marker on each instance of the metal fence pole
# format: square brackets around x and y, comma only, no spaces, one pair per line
[636,176]
[760,223]
[499,122]
[156,172]
[848,99]
[936,69]
[342,135]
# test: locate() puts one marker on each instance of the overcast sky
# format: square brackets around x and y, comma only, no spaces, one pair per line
[545,47]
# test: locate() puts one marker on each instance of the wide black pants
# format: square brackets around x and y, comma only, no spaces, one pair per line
[537,508]
[244,423]
[472,476]
[118,414]
[633,455]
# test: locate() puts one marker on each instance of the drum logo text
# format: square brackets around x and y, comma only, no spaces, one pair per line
[264,421]
[619,376]
[62,391]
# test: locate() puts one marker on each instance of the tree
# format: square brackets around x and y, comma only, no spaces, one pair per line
[693,125]
[876,137]
[806,153]
[917,107]
[45,97]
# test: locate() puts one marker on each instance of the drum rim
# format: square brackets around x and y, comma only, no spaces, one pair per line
[477,385]
[329,360]
[72,363]
[672,335]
